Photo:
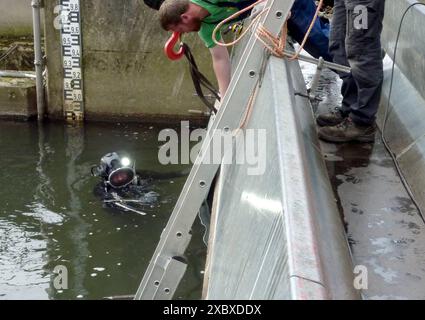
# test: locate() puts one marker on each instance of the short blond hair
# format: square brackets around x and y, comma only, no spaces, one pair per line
[170,12]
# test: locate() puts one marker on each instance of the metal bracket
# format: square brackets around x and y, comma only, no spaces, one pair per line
[315,82]
[37,4]
[325,64]
[176,235]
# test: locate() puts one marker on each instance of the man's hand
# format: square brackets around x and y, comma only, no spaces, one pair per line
[222,67]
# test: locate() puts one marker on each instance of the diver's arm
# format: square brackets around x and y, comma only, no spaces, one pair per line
[222,67]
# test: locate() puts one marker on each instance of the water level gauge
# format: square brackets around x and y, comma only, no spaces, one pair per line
[73,96]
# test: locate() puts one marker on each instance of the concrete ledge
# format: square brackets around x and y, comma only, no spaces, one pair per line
[17,98]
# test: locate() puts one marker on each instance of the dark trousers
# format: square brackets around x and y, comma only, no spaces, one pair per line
[353,45]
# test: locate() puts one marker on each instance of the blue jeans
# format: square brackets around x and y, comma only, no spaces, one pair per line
[359,48]
[302,14]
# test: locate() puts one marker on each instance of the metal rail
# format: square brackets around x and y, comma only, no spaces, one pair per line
[38,61]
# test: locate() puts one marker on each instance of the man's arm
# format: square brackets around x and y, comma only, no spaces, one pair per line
[222,67]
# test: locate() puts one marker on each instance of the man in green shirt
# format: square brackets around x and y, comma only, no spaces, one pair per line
[216,15]
[196,15]
[203,16]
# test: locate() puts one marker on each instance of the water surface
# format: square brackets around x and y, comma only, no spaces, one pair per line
[49,215]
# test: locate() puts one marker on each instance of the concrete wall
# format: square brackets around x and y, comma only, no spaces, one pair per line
[15,18]
[405,128]
[411,47]
[126,75]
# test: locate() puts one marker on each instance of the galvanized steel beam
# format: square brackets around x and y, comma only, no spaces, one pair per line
[176,235]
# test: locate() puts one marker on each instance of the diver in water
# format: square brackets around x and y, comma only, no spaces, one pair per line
[122,187]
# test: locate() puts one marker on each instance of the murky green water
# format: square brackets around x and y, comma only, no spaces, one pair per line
[49,215]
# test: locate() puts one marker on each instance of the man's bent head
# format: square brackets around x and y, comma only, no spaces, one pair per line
[180,16]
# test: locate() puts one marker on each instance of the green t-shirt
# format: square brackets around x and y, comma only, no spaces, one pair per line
[217,14]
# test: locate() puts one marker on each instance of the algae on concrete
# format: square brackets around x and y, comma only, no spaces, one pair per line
[21,57]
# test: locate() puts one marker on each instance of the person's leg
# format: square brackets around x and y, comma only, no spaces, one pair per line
[363,46]
[337,50]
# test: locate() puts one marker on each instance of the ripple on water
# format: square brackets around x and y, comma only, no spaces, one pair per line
[22,262]
[44,215]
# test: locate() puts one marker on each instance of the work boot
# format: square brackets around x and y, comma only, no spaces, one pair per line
[348,131]
[331,118]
